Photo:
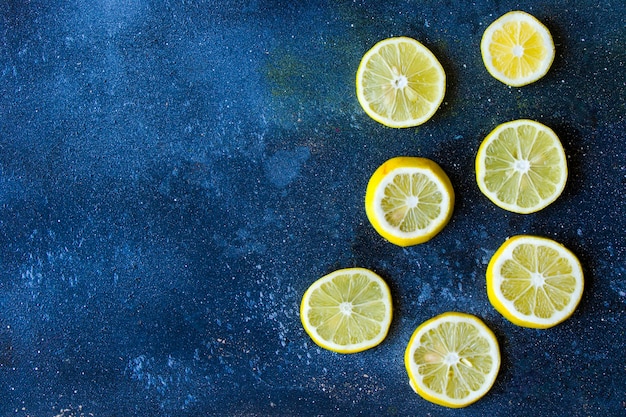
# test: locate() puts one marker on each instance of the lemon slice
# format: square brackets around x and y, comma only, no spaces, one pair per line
[534,281]
[452,359]
[409,200]
[521,166]
[400,83]
[517,49]
[347,311]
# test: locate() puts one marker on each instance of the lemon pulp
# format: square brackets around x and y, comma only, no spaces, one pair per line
[452,359]
[347,311]
[409,200]
[534,281]
[517,49]
[400,83]
[521,166]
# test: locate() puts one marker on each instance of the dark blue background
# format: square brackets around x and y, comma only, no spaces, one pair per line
[175,174]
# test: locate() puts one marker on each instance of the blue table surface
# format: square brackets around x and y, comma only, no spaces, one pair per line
[175,174]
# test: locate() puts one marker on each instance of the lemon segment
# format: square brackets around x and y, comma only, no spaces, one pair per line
[409,200]
[534,281]
[517,49]
[347,311]
[521,166]
[400,83]
[452,359]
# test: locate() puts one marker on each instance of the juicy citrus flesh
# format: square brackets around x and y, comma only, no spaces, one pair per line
[400,83]
[534,281]
[517,49]
[452,359]
[521,166]
[409,200]
[347,311]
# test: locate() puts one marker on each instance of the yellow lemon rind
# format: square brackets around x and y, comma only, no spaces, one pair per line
[386,121]
[443,400]
[481,169]
[375,188]
[353,348]
[505,307]
[543,31]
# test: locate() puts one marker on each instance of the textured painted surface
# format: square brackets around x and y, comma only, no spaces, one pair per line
[174,175]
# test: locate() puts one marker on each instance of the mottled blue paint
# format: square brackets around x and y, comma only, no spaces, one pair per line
[175,174]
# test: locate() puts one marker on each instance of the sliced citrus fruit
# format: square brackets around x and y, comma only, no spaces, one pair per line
[521,166]
[409,200]
[534,281]
[452,359]
[517,49]
[400,83]
[347,311]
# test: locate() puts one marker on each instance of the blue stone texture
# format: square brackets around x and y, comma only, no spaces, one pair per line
[174,174]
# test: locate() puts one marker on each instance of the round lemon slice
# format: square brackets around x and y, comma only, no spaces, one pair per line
[409,200]
[452,359]
[400,83]
[534,281]
[517,49]
[347,311]
[521,166]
